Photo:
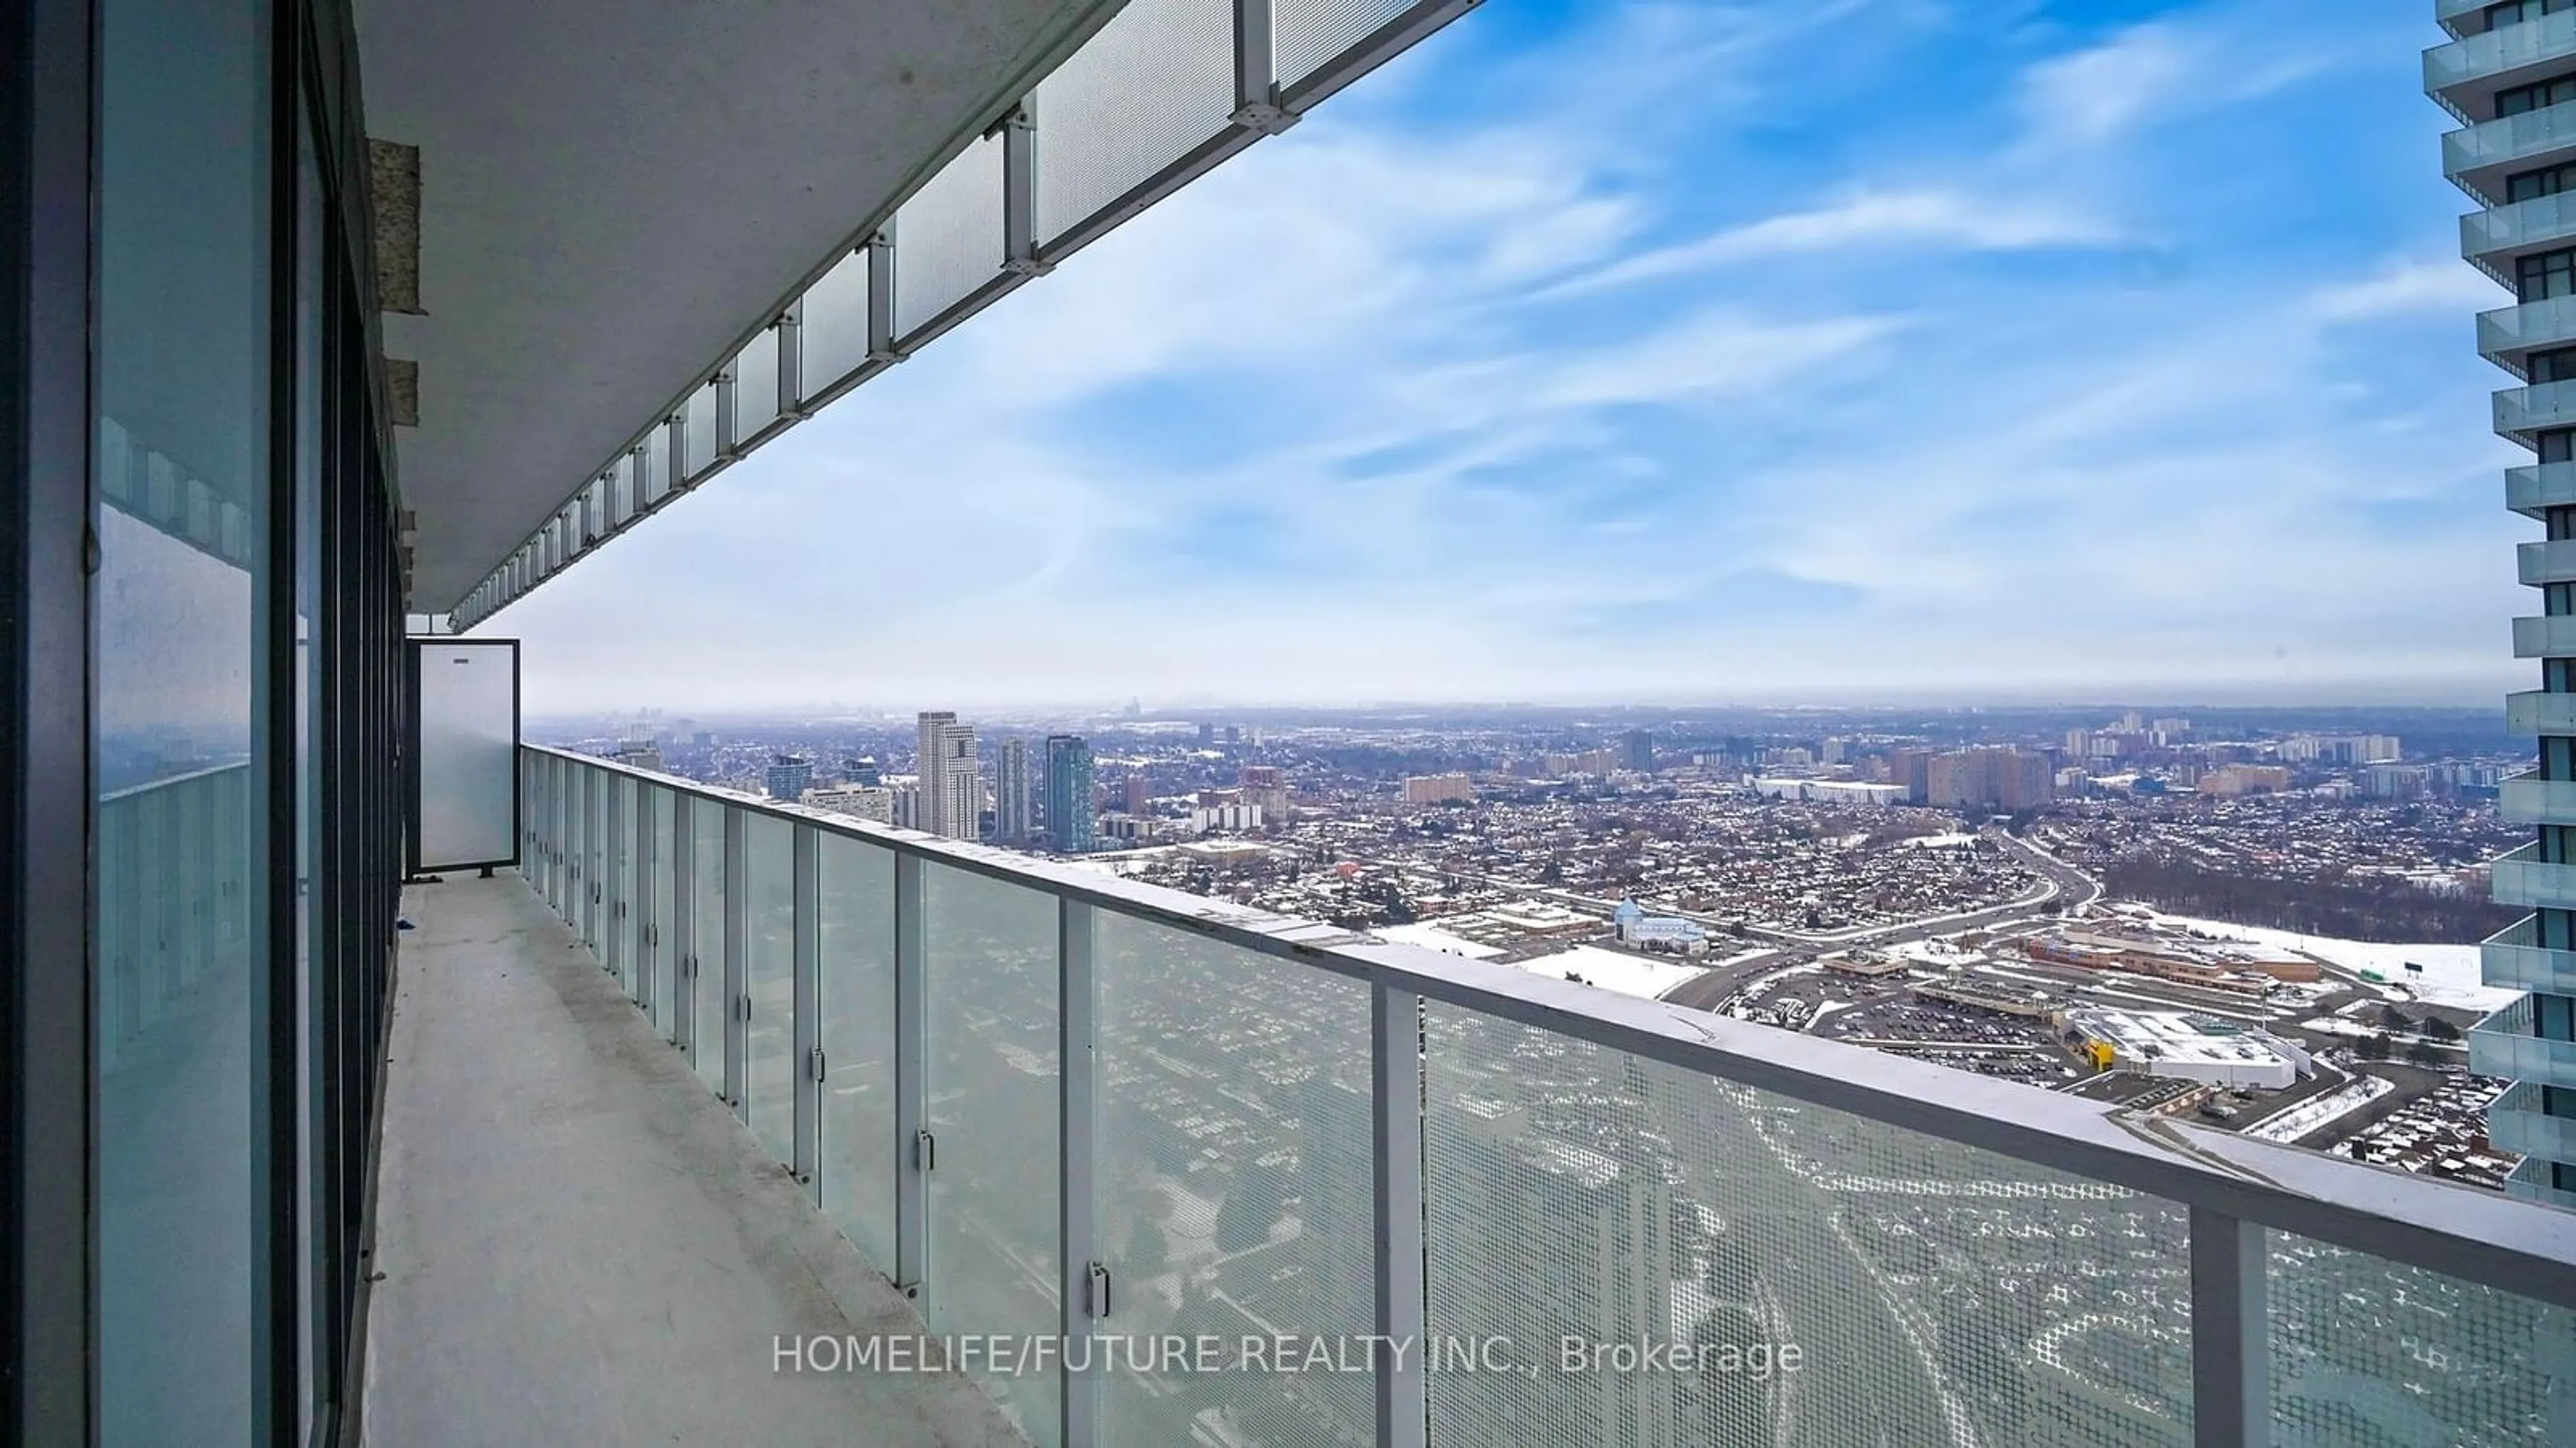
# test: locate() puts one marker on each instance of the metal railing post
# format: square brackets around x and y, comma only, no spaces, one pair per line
[911,1116]
[737,941]
[807,1029]
[2231,1386]
[881,264]
[1084,1285]
[1395,1097]
[791,360]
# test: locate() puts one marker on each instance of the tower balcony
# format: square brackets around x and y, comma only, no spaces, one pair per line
[2477,158]
[2514,959]
[2465,75]
[2521,877]
[2504,1045]
[2520,412]
[2507,336]
[2545,636]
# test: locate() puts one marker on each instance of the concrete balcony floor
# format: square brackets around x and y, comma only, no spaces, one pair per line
[580,1244]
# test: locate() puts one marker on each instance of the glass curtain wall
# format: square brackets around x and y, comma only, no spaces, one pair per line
[243,613]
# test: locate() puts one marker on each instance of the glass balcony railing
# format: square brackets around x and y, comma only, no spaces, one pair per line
[2488,235]
[2507,333]
[2497,53]
[2524,410]
[1390,1196]
[2516,1122]
[2536,711]
[2545,636]
[2553,561]
[2521,877]
[2532,1182]
[2475,156]
[2514,958]
[2503,1045]
[2535,487]
[2528,799]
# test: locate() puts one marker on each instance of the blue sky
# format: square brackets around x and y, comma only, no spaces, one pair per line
[1849,350]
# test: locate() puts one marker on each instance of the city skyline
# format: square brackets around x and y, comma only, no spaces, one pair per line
[1532,410]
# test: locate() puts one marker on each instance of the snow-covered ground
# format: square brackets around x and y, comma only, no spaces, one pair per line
[1430,934]
[1951,840]
[1616,970]
[2449,976]
[2316,1111]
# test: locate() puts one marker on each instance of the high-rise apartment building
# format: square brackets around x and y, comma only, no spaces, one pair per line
[1068,794]
[1139,792]
[1012,807]
[789,777]
[2509,76]
[952,797]
[1637,748]
[2010,779]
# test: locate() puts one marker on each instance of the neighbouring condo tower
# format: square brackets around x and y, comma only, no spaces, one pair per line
[2509,75]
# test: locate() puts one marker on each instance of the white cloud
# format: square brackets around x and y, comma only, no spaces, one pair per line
[1891,218]
[2093,95]
[2443,286]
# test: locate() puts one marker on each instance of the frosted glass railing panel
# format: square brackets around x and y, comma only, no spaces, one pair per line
[594,860]
[2364,1351]
[989,956]
[755,384]
[617,910]
[948,237]
[1311,32]
[769,980]
[662,988]
[1234,1181]
[857,1033]
[706,944]
[1148,89]
[832,327]
[657,464]
[1837,1280]
[698,445]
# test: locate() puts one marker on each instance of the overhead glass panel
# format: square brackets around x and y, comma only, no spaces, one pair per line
[769,979]
[1148,89]
[1833,1279]
[1307,33]
[699,440]
[832,326]
[657,465]
[989,955]
[755,386]
[2366,1351]
[1235,1184]
[948,237]
[857,1035]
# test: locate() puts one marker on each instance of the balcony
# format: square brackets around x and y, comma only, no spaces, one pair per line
[2548,636]
[2520,877]
[2553,561]
[2516,1123]
[2523,411]
[2536,487]
[2531,1182]
[2537,711]
[2513,958]
[2507,336]
[2503,1045]
[2477,158]
[1058,1106]
[2465,75]
[2492,239]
